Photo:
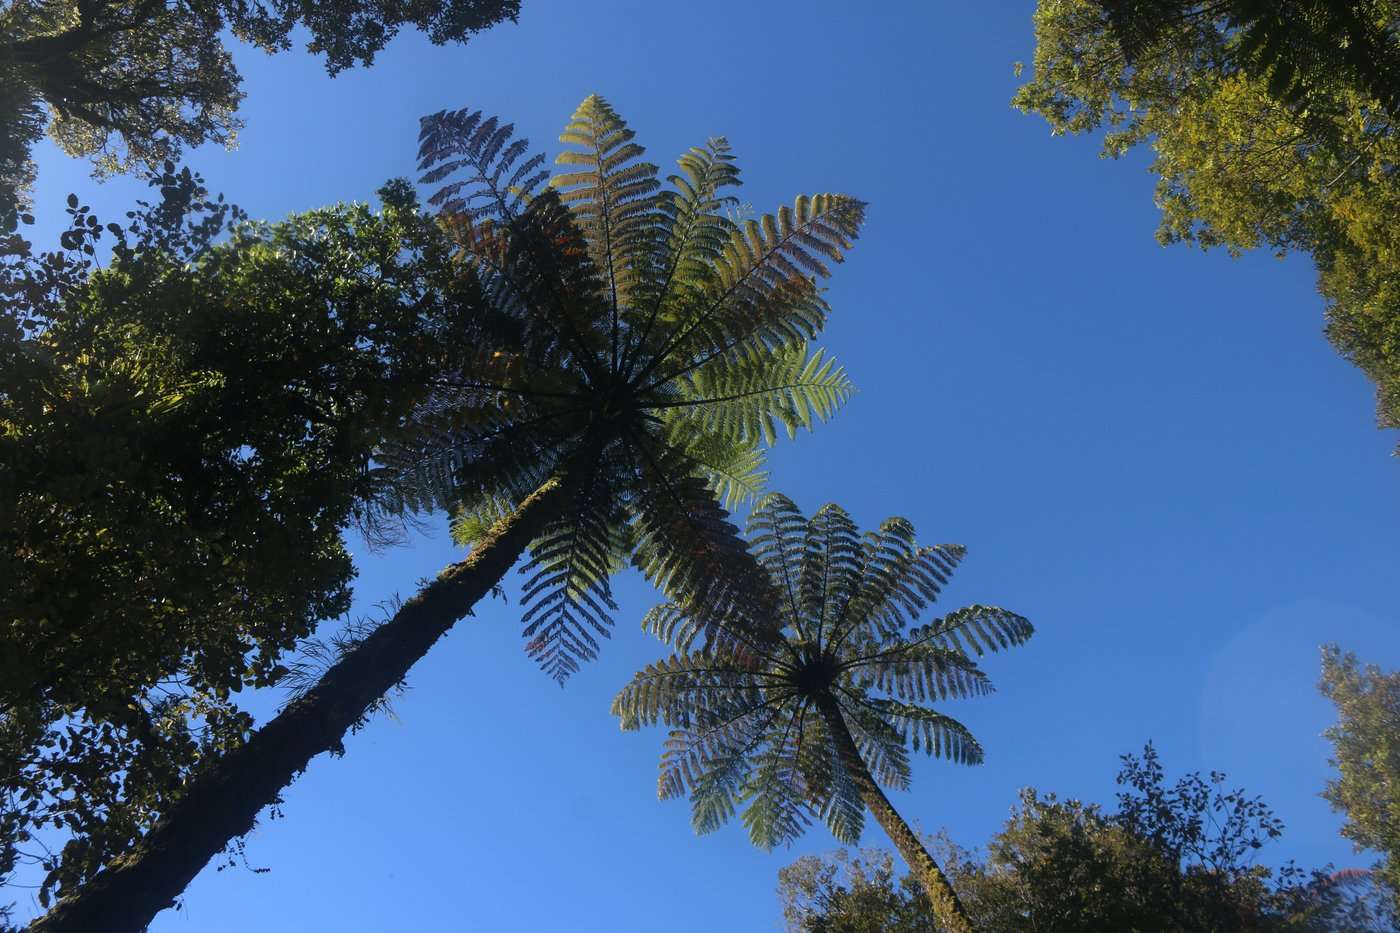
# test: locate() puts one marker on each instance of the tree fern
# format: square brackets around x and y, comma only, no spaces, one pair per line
[633,327]
[807,723]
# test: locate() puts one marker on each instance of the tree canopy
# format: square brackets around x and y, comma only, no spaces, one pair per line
[132,82]
[1265,132]
[185,435]
[1172,857]
[1366,743]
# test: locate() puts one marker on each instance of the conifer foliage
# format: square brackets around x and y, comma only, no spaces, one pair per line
[811,723]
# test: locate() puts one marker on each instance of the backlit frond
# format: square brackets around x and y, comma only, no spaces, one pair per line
[611,193]
[921,672]
[677,689]
[932,732]
[777,797]
[881,745]
[745,397]
[763,289]
[687,547]
[777,537]
[975,630]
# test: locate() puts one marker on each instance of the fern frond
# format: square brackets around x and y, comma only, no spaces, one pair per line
[709,758]
[687,547]
[921,672]
[734,471]
[932,732]
[975,630]
[880,744]
[762,290]
[830,570]
[777,798]
[610,193]
[777,533]
[745,397]
[675,689]
[568,596]
[492,180]
[694,226]
[900,580]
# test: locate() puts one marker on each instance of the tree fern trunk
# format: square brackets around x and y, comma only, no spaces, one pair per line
[946,906]
[222,803]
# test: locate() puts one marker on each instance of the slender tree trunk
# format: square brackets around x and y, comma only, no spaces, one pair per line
[222,803]
[946,906]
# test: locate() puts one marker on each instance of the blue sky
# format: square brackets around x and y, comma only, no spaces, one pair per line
[1152,453]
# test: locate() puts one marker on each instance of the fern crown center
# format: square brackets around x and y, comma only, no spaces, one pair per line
[814,675]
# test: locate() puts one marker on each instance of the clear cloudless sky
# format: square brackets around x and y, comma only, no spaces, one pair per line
[1152,453]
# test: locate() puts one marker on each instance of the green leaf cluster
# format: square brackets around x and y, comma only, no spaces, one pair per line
[1262,135]
[185,434]
[1366,745]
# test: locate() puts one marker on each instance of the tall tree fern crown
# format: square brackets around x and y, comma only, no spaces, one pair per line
[754,730]
[636,335]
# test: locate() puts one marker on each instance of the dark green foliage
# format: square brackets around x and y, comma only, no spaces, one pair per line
[184,436]
[1366,743]
[1296,45]
[1272,124]
[1173,858]
[131,82]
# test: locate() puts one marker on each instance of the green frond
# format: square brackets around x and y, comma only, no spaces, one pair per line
[837,798]
[882,747]
[688,549]
[777,533]
[733,471]
[611,194]
[975,630]
[567,593]
[921,672]
[899,579]
[470,522]
[694,227]
[776,796]
[831,568]
[932,732]
[744,397]
[680,689]
[761,289]
[672,625]
[709,759]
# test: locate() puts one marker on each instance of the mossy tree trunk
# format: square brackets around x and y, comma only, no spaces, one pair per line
[222,803]
[946,906]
